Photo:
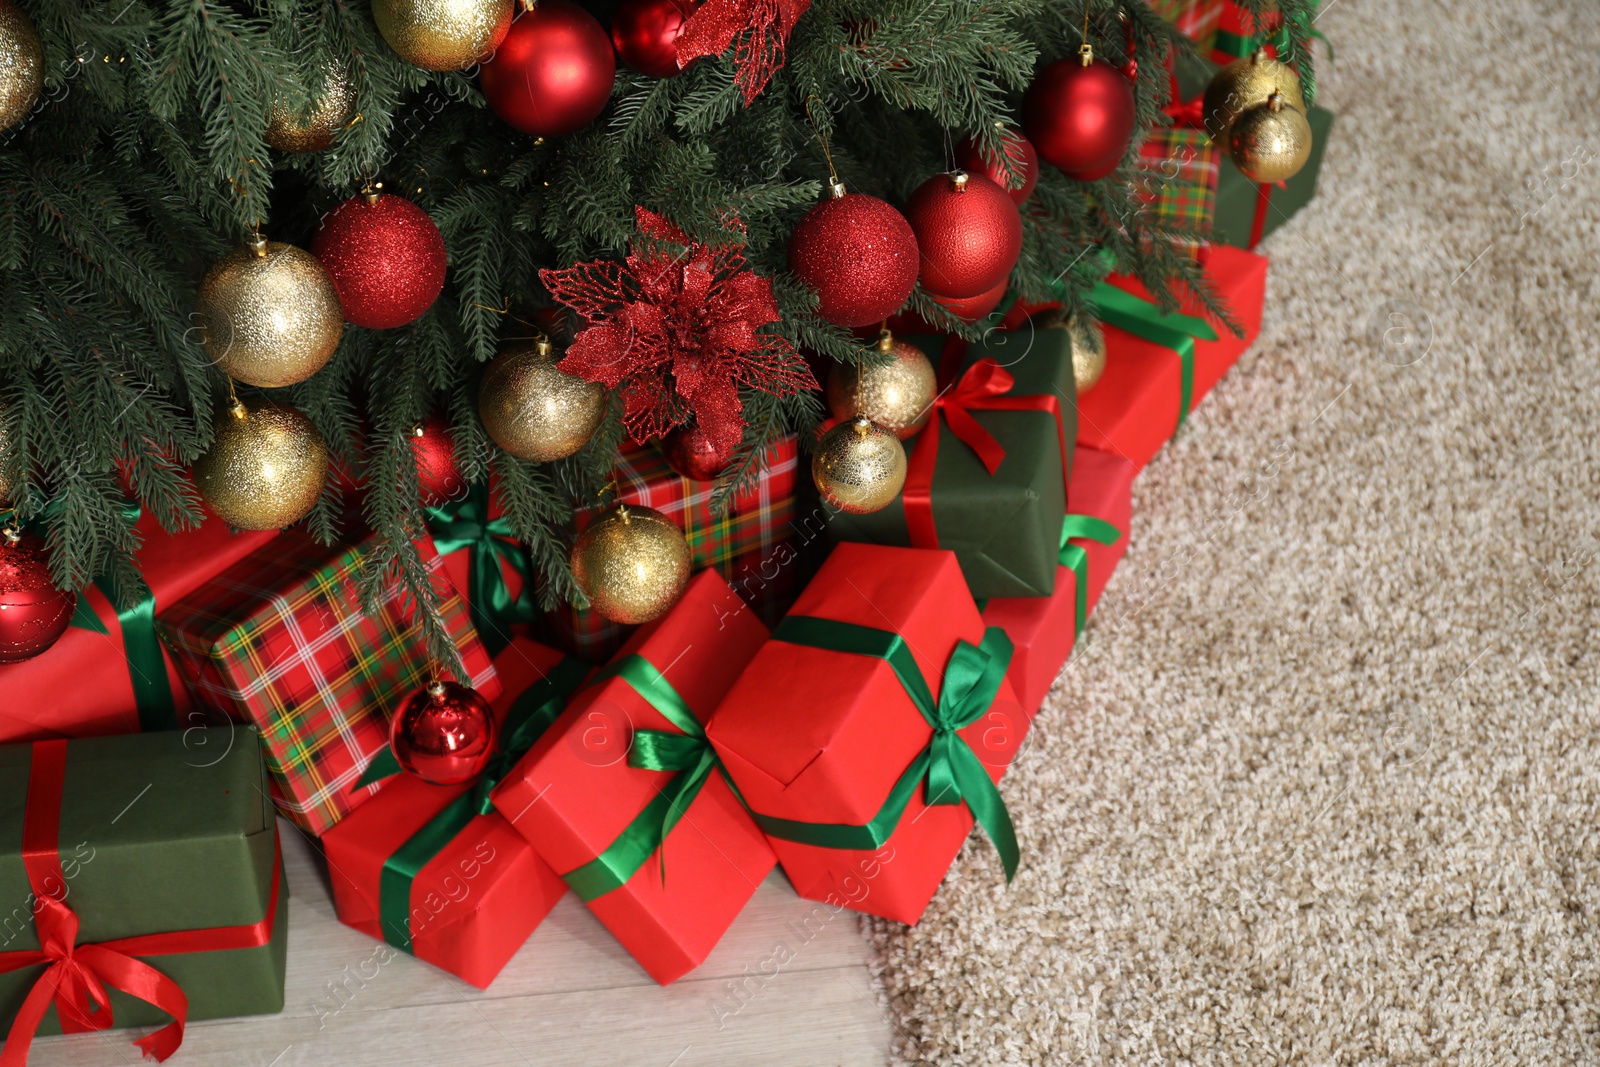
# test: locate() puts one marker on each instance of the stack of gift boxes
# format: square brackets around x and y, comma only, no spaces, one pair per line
[833,694]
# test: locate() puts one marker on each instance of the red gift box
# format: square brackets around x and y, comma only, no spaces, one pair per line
[1139,401]
[581,797]
[834,715]
[422,867]
[280,640]
[1095,536]
[109,674]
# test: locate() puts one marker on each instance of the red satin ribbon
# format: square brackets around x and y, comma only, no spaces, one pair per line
[77,975]
[981,388]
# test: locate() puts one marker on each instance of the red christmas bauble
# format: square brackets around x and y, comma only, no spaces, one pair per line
[859,254]
[645,33]
[554,71]
[973,308]
[443,734]
[968,233]
[1080,119]
[385,257]
[693,455]
[438,474]
[1019,150]
[33,612]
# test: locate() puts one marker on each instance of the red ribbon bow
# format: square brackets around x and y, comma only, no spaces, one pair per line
[76,976]
[981,388]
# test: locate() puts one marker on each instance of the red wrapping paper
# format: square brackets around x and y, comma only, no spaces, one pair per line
[1043,629]
[574,793]
[821,737]
[81,686]
[476,901]
[1133,410]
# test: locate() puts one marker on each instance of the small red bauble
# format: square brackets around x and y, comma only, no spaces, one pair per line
[645,33]
[443,734]
[973,308]
[1079,118]
[33,612]
[695,456]
[438,475]
[554,71]
[859,254]
[385,257]
[1018,149]
[968,233]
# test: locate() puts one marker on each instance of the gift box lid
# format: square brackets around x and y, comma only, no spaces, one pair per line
[825,734]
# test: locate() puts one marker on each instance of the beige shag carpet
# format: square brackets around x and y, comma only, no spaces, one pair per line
[1322,786]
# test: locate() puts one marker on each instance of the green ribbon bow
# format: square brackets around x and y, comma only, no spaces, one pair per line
[147,663]
[685,752]
[1088,528]
[1140,317]
[491,542]
[953,772]
[532,713]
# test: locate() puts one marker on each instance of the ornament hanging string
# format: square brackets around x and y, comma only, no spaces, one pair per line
[822,138]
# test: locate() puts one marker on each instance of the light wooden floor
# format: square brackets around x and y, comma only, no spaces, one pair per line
[571,996]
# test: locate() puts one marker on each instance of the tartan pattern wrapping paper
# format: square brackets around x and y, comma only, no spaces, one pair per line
[1195,19]
[739,544]
[279,640]
[1177,179]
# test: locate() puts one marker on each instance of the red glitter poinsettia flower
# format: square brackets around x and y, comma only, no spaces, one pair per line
[677,333]
[765,26]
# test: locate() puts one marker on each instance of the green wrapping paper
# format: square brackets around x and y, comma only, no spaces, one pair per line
[158,833]
[1005,527]
[1234,218]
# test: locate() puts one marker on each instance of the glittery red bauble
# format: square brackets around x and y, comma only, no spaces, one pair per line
[33,612]
[645,33]
[1079,118]
[553,72]
[443,734]
[1019,150]
[694,455]
[968,233]
[385,257]
[859,254]
[438,474]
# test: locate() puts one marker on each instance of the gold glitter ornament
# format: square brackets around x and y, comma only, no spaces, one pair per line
[534,410]
[269,314]
[21,65]
[1088,343]
[1244,84]
[443,34]
[315,129]
[859,467]
[897,395]
[1271,142]
[632,564]
[265,469]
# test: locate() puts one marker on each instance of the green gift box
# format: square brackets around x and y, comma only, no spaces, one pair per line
[144,865]
[1240,201]
[986,478]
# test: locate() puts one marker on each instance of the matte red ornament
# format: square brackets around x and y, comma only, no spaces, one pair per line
[1018,149]
[859,254]
[973,308]
[438,474]
[554,71]
[645,33]
[443,734]
[968,233]
[385,257]
[694,455]
[33,612]
[1080,118]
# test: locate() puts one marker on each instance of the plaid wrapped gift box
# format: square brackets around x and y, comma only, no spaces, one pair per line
[279,640]
[741,544]
[1177,181]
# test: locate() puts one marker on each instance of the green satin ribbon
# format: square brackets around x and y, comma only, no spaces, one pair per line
[953,772]
[491,542]
[529,717]
[1140,317]
[147,663]
[1087,528]
[685,752]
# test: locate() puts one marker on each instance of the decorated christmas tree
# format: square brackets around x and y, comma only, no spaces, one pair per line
[329,262]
